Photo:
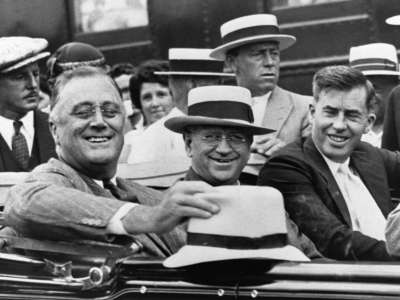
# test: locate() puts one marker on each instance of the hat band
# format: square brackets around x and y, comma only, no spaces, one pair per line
[374,64]
[237,242]
[216,109]
[187,65]
[250,31]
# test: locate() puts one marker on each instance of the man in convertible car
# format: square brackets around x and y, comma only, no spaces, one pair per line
[75,196]
[218,142]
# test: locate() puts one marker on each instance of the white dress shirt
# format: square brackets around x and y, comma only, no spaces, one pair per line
[259,106]
[365,214]
[27,129]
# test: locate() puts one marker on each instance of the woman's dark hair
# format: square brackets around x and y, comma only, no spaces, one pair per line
[145,73]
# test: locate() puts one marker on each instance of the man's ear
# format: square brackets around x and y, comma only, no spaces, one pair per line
[53,131]
[187,138]
[370,122]
[311,112]
[231,63]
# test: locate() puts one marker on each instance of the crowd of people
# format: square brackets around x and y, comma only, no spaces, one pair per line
[332,158]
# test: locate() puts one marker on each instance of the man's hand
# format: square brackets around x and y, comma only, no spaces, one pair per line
[186,199]
[266,145]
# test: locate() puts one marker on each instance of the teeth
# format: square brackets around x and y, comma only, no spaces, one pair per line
[224,160]
[97,139]
[337,138]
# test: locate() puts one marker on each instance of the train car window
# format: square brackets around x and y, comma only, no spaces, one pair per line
[104,15]
[293,3]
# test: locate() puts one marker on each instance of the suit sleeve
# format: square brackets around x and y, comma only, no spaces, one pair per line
[332,237]
[48,206]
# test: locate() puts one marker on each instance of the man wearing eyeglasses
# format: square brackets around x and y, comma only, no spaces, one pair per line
[218,133]
[78,197]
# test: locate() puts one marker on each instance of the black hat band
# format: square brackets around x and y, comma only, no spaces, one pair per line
[374,64]
[192,65]
[217,109]
[250,31]
[237,242]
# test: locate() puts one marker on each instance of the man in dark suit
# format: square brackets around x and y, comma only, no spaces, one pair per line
[75,196]
[25,140]
[336,187]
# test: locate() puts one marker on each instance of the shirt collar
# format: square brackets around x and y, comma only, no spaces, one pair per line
[332,165]
[261,98]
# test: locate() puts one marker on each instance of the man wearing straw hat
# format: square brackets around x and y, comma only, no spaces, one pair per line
[218,142]
[189,68]
[251,47]
[379,63]
[25,140]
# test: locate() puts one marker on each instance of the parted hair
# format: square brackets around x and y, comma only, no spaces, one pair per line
[80,72]
[145,73]
[342,78]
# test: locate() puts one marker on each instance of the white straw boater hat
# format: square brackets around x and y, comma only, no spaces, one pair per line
[251,29]
[19,51]
[375,59]
[394,20]
[194,62]
[218,105]
[251,224]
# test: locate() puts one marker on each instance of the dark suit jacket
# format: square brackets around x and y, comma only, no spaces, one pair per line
[315,203]
[42,150]
[57,203]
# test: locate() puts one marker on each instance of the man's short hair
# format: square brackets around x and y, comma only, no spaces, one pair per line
[342,78]
[145,73]
[80,72]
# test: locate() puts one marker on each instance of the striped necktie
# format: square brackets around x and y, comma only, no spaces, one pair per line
[20,146]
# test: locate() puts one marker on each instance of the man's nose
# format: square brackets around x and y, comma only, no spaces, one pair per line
[268,60]
[340,122]
[98,119]
[32,81]
[223,146]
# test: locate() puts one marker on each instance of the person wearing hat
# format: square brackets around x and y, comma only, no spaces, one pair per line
[77,196]
[379,63]
[336,187]
[251,47]
[189,68]
[72,55]
[218,132]
[25,140]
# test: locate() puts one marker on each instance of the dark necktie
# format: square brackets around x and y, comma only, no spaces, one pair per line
[116,191]
[20,146]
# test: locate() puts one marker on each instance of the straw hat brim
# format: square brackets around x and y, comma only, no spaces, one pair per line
[26,62]
[191,255]
[284,40]
[193,73]
[178,124]
[381,72]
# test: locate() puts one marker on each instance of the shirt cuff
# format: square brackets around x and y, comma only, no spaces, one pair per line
[115,225]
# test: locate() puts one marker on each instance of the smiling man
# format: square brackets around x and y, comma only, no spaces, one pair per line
[77,196]
[218,142]
[25,139]
[251,47]
[336,187]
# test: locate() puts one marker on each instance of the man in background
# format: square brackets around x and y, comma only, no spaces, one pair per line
[25,140]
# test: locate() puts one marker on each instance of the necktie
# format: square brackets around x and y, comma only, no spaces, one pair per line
[20,146]
[365,214]
[116,191]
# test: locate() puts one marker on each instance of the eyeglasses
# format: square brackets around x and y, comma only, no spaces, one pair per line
[86,111]
[235,140]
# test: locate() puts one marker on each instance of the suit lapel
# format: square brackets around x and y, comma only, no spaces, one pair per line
[369,171]
[332,188]
[278,110]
